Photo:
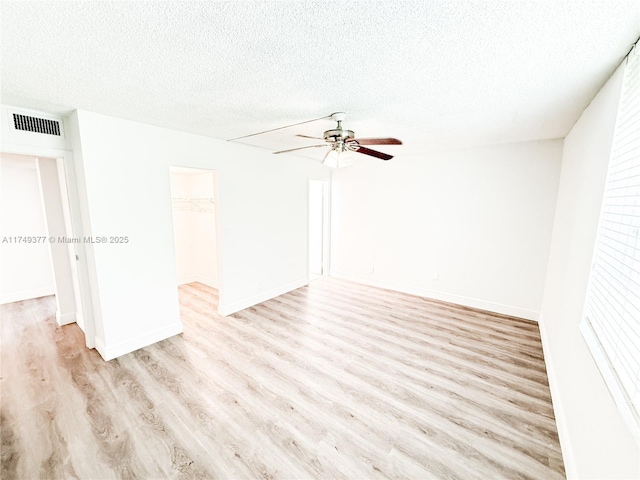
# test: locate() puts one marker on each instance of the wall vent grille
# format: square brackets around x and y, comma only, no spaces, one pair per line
[35,124]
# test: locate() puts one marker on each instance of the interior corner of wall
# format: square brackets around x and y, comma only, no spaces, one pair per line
[568,455]
[100,347]
[65,318]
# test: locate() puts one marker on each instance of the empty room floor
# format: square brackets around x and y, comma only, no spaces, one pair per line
[333,380]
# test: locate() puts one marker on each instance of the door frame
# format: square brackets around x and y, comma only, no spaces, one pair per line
[326,224]
[65,160]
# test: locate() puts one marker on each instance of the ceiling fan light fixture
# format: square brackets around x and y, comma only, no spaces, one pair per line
[337,158]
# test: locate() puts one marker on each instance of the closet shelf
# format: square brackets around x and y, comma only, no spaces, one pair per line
[200,204]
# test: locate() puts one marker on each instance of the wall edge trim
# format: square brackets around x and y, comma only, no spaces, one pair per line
[27,295]
[442,296]
[65,318]
[568,456]
[208,281]
[234,307]
[109,352]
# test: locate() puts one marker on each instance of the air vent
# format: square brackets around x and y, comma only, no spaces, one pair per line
[35,124]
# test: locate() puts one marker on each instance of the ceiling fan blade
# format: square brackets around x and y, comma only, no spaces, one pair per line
[378,141]
[301,148]
[374,153]
[307,136]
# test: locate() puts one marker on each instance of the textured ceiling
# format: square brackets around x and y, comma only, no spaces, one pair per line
[433,73]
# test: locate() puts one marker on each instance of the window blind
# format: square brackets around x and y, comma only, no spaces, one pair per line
[611,319]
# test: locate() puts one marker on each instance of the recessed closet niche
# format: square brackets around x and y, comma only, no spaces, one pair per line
[194,225]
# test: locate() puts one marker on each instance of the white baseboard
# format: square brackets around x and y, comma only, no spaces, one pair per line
[100,348]
[65,318]
[568,456]
[208,281]
[26,295]
[186,279]
[80,320]
[225,310]
[445,297]
[109,352]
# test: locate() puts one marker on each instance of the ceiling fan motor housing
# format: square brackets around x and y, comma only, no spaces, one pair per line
[338,134]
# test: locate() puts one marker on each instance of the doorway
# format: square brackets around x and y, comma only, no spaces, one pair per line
[26,267]
[37,243]
[195,232]
[318,228]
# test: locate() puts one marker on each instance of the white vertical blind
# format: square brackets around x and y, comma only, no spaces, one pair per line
[611,323]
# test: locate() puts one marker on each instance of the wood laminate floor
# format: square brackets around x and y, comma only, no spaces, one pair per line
[333,380]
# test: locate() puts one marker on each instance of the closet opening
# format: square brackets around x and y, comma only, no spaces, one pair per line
[195,233]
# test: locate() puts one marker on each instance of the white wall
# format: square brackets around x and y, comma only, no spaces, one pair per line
[26,270]
[262,212]
[194,227]
[479,220]
[595,441]
[318,215]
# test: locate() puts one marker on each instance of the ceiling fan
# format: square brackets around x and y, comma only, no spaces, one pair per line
[342,142]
